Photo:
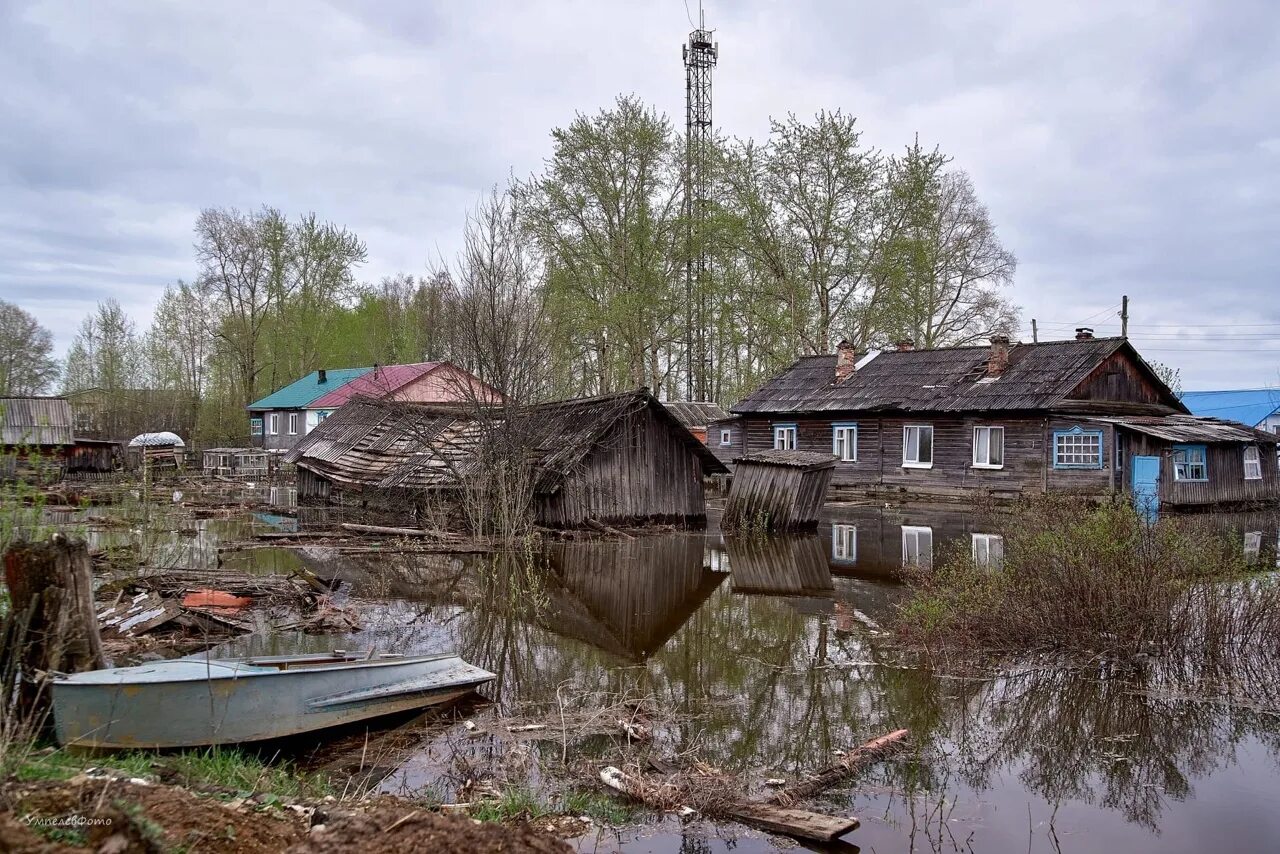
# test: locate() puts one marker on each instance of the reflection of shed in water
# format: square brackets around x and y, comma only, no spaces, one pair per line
[779,566]
[627,598]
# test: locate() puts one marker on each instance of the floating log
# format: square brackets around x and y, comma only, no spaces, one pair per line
[874,749]
[790,821]
[398,532]
[51,592]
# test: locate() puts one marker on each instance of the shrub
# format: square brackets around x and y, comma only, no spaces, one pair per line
[1078,576]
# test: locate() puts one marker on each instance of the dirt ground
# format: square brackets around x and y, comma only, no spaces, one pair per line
[115,816]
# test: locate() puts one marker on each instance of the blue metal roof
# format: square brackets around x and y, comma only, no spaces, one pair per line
[298,394]
[1249,406]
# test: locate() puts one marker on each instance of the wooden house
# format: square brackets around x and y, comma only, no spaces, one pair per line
[618,459]
[1077,416]
[36,437]
[279,420]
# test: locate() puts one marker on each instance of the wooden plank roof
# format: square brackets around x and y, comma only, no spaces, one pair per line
[949,379]
[417,446]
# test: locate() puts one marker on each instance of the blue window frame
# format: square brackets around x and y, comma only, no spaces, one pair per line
[1077,448]
[844,442]
[1190,462]
[785,437]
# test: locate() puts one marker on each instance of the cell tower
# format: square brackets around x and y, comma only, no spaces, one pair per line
[700,55]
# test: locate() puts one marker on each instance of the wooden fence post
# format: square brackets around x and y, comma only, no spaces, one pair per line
[51,588]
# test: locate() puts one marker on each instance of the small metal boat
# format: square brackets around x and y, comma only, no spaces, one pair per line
[192,702]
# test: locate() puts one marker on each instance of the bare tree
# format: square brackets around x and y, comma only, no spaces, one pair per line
[27,365]
[242,258]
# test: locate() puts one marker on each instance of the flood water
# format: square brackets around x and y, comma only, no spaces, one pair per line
[769,656]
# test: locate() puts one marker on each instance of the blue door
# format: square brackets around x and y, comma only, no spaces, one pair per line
[1146,485]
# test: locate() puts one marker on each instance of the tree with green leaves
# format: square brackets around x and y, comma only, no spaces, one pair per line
[605,213]
[27,366]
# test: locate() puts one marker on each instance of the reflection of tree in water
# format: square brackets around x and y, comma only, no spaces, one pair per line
[767,681]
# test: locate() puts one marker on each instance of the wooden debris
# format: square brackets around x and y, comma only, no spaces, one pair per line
[398,532]
[605,529]
[850,762]
[771,817]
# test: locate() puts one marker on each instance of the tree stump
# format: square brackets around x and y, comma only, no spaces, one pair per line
[51,590]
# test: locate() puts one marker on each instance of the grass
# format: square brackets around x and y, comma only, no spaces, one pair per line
[515,803]
[602,807]
[1091,578]
[220,768]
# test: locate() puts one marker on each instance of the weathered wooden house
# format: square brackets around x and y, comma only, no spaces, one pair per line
[620,458]
[279,420]
[36,437]
[1084,416]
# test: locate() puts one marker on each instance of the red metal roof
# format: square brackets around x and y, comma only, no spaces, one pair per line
[380,382]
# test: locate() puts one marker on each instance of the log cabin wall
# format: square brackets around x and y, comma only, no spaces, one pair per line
[640,470]
[1225,463]
[1028,453]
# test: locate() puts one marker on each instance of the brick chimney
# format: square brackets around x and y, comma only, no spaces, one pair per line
[998,359]
[846,360]
[1083,333]
[905,346]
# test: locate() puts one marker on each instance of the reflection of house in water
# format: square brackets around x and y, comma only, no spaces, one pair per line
[627,598]
[779,566]
[882,540]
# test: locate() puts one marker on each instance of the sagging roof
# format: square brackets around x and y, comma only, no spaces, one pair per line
[426,446]
[1250,406]
[791,459]
[299,393]
[948,379]
[378,382]
[40,421]
[1189,428]
[696,413]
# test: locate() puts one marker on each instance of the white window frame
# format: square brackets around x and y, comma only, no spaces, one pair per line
[273,424]
[844,442]
[293,423]
[726,438]
[844,543]
[1252,467]
[982,460]
[916,463]
[780,434]
[913,534]
[982,550]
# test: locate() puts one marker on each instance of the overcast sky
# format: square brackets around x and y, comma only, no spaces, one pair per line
[1122,148]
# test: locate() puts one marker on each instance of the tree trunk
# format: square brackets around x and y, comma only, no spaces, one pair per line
[50,584]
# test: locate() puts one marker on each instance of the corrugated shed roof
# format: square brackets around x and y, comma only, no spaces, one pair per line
[695,413]
[162,439]
[36,421]
[299,393]
[378,382]
[948,379]
[1250,406]
[1189,428]
[416,446]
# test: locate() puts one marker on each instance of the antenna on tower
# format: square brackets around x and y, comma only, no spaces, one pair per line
[700,55]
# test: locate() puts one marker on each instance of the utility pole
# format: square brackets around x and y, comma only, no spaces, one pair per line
[1035,335]
[1124,317]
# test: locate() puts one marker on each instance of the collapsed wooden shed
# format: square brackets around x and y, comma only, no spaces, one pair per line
[615,459]
[778,490]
